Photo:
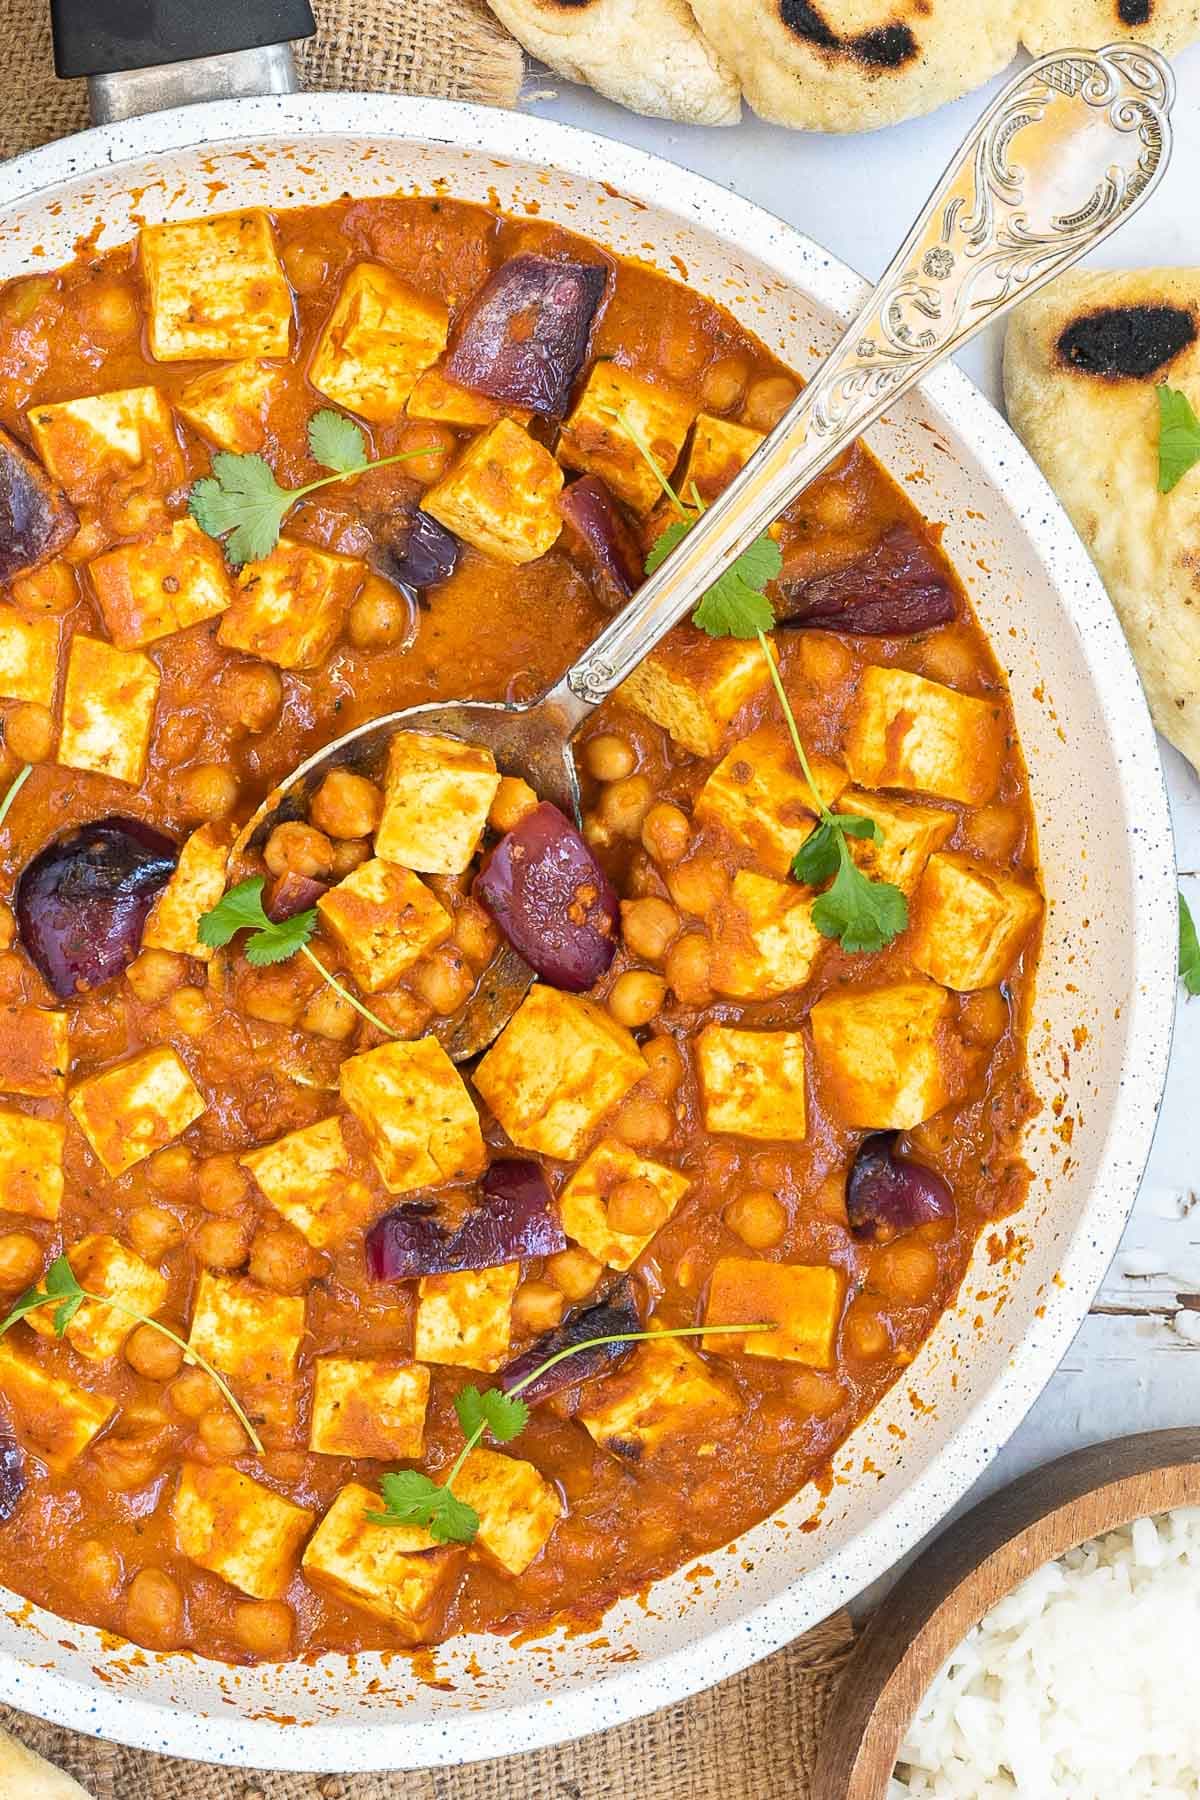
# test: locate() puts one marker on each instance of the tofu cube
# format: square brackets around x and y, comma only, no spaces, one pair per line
[441,400]
[31,1158]
[194,889]
[758,795]
[289,607]
[719,451]
[238,1529]
[583,1206]
[398,1573]
[501,495]
[766,942]
[308,1178]
[28,657]
[88,444]
[753,1082]
[888,1057]
[418,1118]
[164,584]
[216,289]
[108,710]
[557,1069]
[54,1419]
[804,1303]
[34,1051]
[971,922]
[128,1112]
[909,836]
[518,1508]
[907,732]
[366,1408]
[594,437]
[103,1265]
[694,686]
[665,1390]
[384,920]
[229,406]
[466,1319]
[379,337]
[246,1331]
[436,799]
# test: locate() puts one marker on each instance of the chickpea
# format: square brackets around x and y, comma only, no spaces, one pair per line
[689,969]
[251,695]
[178,736]
[682,349]
[636,1207]
[222,1243]
[406,1013]
[348,855]
[172,1171]
[993,832]
[649,927]
[282,1259]
[758,1217]
[437,445]
[155,974]
[193,1392]
[949,656]
[698,886]
[133,510]
[346,805]
[151,1354]
[8,927]
[574,1272]
[327,1015]
[644,1123]
[127,1462]
[538,1306]
[864,1333]
[206,791]
[379,618]
[666,833]
[307,267]
[983,1017]
[109,311]
[191,1011]
[154,1610]
[221,1434]
[608,758]
[514,800]
[52,589]
[906,1271]
[153,1231]
[624,804]
[724,383]
[444,981]
[475,933]
[767,400]
[636,997]
[300,849]
[817,1394]
[29,732]
[277,993]
[824,660]
[664,1066]
[224,1185]
[264,1628]
[21,1259]
[98,1570]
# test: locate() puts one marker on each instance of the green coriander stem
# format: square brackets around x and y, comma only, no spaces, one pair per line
[381,462]
[823,811]
[637,437]
[18,783]
[347,996]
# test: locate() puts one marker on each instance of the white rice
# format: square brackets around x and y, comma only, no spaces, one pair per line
[1083,1683]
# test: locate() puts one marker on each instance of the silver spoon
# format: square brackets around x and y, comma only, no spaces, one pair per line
[1073,146]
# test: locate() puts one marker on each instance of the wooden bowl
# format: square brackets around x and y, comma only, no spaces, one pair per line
[962,1574]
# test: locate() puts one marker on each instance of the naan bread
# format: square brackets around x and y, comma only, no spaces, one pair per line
[646,54]
[1081,363]
[25,1776]
[850,65]
[1055,24]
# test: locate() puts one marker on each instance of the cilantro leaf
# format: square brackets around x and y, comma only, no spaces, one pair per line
[1189,949]
[492,1410]
[280,941]
[337,442]
[862,914]
[668,540]
[60,1286]
[411,1498]
[242,502]
[817,859]
[1178,437]
[735,605]
[854,825]
[241,909]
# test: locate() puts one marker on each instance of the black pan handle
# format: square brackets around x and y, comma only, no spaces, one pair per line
[106,37]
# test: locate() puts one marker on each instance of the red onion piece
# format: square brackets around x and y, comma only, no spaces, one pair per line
[12,1474]
[419,553]
[290,893]
[888,1194]
[896,590]
[525,336]
[551,899]
[591,509]
[515,1219]
[82,903]
[36,520]
[618,1313]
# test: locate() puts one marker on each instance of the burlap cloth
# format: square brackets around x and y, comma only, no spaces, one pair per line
[754,1737]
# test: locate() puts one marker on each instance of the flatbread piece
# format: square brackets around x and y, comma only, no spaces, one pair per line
[1052,24]
[26,1776]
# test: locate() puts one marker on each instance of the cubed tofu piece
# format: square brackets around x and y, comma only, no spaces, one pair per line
[216,289]
[518,1508]
[31,1158]
[366,1408]
[436,799]
[128,1112]
[307,1176]
[238,1529]
[766,942]
[108,710]
[501,495]
[34,1050]
[594,437]
[803,1301]
[441,400]
[466,1319]
[665,1390]
[54,1419]
[418,1118]
[379,337]
[384,920]
[753,1082]
[229,406]
[906,732]
[194,889]
[694,686]
[164,584]
[103,1265]
[583,1206]
[888,1056]
[557,1069]
[758,795]
[971,922]
[89,443]
[719,451]
[909,835]
[246,1331]
[28,657]
[289,607]
[398,1573]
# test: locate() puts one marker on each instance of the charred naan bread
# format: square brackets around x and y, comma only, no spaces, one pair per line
[1081,363]
[26,1776]
[647,54]
[1052,24]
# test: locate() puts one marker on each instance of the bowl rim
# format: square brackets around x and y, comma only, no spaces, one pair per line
[1000,1406]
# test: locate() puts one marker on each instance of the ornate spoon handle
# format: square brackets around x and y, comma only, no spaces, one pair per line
[1070,149]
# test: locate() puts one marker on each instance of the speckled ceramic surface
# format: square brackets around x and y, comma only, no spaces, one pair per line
[1102,1018]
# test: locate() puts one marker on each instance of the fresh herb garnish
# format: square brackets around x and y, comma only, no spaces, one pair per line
[1189,949]
[241,909]
[15,786]
[242,503]
[1178,437]
[62,1291]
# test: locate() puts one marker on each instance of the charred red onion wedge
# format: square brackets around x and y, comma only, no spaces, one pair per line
[290,893]
[82,902]
[12,1474]
[515,1219]
[618,1313]
[419,552]
[524,339]
[551,899]
[888,1194]
[591,509]
[36,520]
[896,590]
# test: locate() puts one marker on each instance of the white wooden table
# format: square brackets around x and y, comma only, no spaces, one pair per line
[1129,1369]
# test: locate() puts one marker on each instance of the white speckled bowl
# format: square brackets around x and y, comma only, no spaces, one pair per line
[1102,1019]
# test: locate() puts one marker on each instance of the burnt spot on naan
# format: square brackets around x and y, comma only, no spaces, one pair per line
[1126,343]
[1135,12]
[882,47]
